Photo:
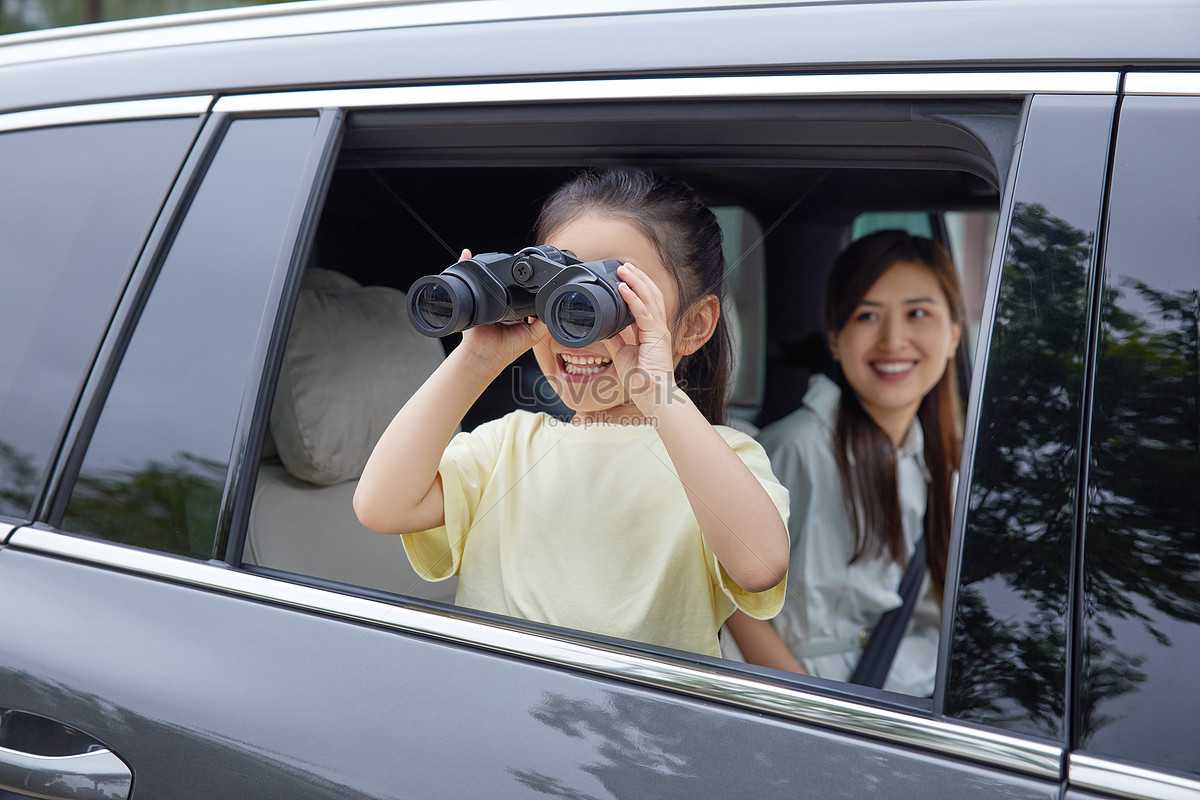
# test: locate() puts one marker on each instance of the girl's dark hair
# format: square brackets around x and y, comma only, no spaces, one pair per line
[866,455]
[687,238]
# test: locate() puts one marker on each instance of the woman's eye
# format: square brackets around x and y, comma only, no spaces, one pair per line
[865,316]
[918,313]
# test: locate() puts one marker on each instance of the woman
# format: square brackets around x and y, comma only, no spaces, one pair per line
[869,461]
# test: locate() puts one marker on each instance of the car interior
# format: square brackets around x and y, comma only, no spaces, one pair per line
[791,182]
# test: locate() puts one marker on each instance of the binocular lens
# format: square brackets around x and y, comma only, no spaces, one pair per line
[434,305]
[575,315]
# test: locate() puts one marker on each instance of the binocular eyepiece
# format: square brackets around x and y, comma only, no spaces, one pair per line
[578,300]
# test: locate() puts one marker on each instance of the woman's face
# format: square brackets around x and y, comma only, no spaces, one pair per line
[896,345]
[585,378]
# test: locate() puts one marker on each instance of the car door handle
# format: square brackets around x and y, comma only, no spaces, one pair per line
[98,774]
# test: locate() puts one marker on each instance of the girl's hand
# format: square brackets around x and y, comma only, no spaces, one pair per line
[493,347]
[643,353]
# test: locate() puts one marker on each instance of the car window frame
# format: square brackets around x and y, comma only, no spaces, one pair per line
[813,702]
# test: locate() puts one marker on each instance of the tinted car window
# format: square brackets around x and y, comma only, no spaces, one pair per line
[1142,546]
[1008,657]
[76,204]
[155,469]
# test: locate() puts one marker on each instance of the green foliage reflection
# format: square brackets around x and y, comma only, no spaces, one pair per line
[167,507]
[1009,656]
[1142,540]
[18,481]
[1143,535]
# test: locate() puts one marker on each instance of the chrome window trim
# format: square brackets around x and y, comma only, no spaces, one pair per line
[6,528]
[1162,83]
[875,84]
[1110,777]
[964,741]
[330,16]
[106,112]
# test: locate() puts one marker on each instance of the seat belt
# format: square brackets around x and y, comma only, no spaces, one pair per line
[877,656]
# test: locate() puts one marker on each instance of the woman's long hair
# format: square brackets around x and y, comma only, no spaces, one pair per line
[866,456]
[686,236]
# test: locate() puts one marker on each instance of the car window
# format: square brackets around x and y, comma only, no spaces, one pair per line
[1142,540]
[76,204]
[154,471]
[396,211]
[745,305]
[972,235]
[1008,664]
[918,223]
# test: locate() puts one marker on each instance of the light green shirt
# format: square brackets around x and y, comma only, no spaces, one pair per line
[587,527]
[830,600]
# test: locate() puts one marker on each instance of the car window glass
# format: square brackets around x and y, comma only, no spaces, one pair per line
[918,223]
[745,306]
[1008,648]
[76,204]
[1142,541]
[155,469]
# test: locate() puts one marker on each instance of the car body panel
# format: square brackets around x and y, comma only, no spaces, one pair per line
[240,56]
[268,701]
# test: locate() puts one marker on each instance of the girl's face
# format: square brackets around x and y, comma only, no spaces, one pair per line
[896,345]
[585,378]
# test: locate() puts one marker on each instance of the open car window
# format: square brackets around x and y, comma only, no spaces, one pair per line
[410,189]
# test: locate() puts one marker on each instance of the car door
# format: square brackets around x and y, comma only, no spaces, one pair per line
[146,632]
[1135,720]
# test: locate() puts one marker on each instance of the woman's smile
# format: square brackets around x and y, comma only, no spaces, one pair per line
[893,370]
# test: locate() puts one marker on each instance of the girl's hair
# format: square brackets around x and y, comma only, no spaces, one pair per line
[866,455]
[687,238]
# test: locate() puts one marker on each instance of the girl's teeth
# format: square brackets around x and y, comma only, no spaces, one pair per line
[578,365]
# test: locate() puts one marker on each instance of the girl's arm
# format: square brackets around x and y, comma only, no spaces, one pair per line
[400,490]
[739,520]
[737,517]
[760,643]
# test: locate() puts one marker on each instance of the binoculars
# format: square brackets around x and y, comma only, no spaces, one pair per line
[578,300]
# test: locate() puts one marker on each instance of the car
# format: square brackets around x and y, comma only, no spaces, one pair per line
[207,226]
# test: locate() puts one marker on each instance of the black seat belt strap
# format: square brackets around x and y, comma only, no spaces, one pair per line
[876,661]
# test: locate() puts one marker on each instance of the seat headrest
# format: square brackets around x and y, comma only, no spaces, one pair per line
[351,361]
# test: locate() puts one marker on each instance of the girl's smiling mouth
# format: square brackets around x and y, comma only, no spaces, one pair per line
[583,366]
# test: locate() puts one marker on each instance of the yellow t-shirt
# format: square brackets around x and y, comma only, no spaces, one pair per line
[586,527]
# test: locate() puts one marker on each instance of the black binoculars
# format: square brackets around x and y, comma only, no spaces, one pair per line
[578,300]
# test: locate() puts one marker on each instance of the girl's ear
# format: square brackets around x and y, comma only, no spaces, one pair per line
[699,325]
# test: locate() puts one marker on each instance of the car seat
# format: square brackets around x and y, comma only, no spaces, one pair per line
[351,361]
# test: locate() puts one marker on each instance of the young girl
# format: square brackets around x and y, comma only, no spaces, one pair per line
[869,461]
[640,518]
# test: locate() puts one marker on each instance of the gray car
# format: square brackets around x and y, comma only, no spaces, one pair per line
[207,226]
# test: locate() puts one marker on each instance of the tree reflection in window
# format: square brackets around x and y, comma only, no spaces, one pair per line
[1009,649]
[170,507]
[18,480]
[1143,535]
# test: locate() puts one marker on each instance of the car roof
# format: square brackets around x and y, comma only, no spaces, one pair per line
[333,43]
